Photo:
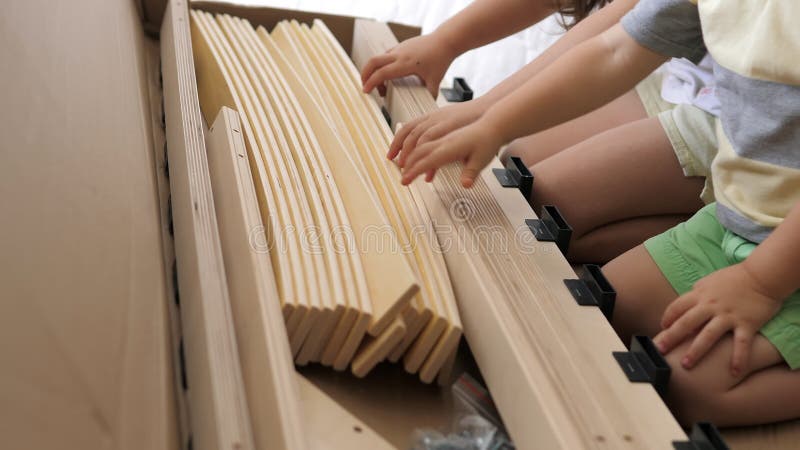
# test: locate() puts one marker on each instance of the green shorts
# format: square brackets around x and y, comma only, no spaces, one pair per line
[690,130]
[701,245]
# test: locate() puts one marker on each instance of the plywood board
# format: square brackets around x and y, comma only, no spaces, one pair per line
[219,414]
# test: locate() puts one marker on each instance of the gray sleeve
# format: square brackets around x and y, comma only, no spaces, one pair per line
[669,27]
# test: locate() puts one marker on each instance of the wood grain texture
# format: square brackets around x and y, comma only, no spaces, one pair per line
[350,261]
[556,384]
[285,240]
[390,280]
[268,372]
[311,222]
[416,219]
[219,414]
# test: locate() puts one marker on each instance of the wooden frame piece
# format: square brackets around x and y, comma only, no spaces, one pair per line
[268,372]
[219,414]
[555,382]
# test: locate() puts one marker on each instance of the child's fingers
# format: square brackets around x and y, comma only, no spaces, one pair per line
[702,343]
[411,141]
[429,157]
[411,157]
[429,175]
[682,328]
[400,137]
[472,170]
[677,308]
[434,132]
[387,72]
[374,64]
[742,343]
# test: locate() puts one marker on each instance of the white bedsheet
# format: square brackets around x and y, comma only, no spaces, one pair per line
[482,68]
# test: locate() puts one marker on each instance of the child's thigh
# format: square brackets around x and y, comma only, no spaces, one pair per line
[537,147]
[642,293]
[626,172]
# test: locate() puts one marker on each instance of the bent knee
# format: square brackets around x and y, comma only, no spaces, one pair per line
[529,149]
[694,396]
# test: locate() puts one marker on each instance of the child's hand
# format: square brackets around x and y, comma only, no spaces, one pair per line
[730,299]
[427,57]
[474,144]
[432,126]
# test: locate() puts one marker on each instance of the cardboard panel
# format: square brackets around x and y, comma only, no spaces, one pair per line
[84,329]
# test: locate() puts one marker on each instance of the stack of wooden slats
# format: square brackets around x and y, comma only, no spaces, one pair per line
[359,271]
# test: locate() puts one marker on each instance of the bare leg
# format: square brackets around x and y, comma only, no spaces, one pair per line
[540,146]
[629,172]
[767,392]
[642,293]
[609,241]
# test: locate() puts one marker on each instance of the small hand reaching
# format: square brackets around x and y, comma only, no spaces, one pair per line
[433,126]
[426,56]
[475,145]
[728,300]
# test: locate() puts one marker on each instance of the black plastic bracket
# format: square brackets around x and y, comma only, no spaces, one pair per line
[551,227]
[704,436]
[644,364]
[593,289]
[460,92]
[515,174]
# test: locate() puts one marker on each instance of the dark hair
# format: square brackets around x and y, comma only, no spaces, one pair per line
[573,11]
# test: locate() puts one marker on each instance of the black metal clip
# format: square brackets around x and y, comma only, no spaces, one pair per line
[551,227]
[593,289]
[704,436]
[517,175]
[460,92]
[644,364]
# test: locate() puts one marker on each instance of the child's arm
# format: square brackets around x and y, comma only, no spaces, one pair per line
[586,29]
[429,56]
[738,299]
[587,77]
[437,124]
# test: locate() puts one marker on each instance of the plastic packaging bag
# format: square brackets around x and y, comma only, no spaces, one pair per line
[477,425]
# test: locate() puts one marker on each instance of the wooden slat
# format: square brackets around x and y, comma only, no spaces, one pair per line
[431,355]
[389,278]
[208,37]
[268,372]
[219,414]
[358,295]
[216,89]
[314,222]
[555,381]
[284,178]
